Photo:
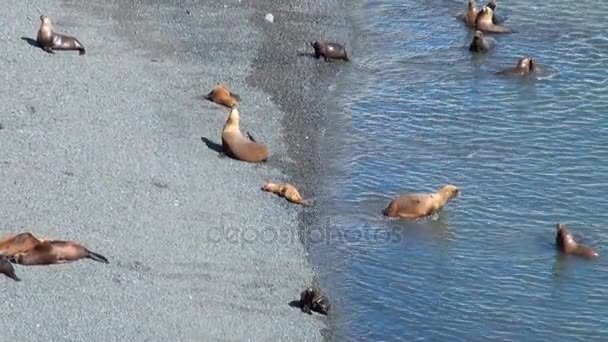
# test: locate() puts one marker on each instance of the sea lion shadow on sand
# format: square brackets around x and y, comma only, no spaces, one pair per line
[32,42]
[212,145]
[307,54]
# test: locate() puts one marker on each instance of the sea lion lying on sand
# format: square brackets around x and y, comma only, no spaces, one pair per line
[237,146]
[286,190]
[223,96]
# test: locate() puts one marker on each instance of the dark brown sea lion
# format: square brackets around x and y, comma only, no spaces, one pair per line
[566,244]
[7,268]
[237,146]
[329,51]
[50,40]
[20,243]
[413,206]
[56,252]
[480,43]
[484,22]
[223,96]
[286,190]
[525,66]
[312,300]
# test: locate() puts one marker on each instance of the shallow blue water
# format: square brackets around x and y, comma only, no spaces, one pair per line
[419,111]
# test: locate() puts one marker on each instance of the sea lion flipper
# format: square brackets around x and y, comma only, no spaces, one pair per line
[97,257]
[48,49]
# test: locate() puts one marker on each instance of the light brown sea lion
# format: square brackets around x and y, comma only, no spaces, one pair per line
[50,252]
[480,43]
[223,96]
[470,15]
[237,146]
[484,22]
[525,66]
[329,51]
[7,268]
[312,300]
[286,190]
[20,243]
[566,244]
[50,40]
[413,206]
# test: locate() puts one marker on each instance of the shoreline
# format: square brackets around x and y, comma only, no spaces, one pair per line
[112,157]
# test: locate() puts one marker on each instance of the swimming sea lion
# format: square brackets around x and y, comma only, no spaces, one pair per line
[566,244]
[17,244]
[412,206]
[525,66]
[50,40]
[329,51]
[481,43]
[470,15]
[286,190]
[237,146]
[221,95]
[484,22]
[7,268]
[312,300]
[56,252]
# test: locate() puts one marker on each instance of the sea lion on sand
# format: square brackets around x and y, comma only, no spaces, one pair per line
[525,66]
[236,145]
[566,244]
[16,244]
[7,268]
[56,252]
[484,22]
[50,40]
[329,51]
[480,43]
[412,206]
[223,96]
[286,190]
[312,300]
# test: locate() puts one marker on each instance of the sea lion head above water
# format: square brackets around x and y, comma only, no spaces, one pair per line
[485,22]
[566,243]
[480,43]
[525,66]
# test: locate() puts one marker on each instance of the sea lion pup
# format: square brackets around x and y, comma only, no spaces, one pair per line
[286,190]
[222,96]
[7,268]
[480,43]
[56,252]
[413,206]
[237,146]
[566,244]
[525,66]
[17,244]
[484,22]
[329,51]
[312,300]
[50,40]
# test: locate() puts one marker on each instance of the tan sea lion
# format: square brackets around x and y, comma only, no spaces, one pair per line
[329,51]
[20,243]
[286,190]
[413,206]
[480,43]
[470,15]
[51,252]
[237,146]
[50,40]
[484,22]
[566,244]
[312,300]
[223,96]
[525,66]
[7,268]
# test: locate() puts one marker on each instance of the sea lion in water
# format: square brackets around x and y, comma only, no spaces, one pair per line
[413,206]
[50,40]
[236,145]
[470,15]
[286,190]
[329,51]
[480,43]
[566,244]
[484,22]
[525,66]
[223,96]
[312,300]
[50,252]
[7,268]
[17,244]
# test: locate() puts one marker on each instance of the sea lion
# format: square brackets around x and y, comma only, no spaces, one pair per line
[470,15]
[312,300]
[525,66]
[16,244]
[484,22]
[50,252]
[566,244]
[480,43]
[7,268]
[286,190]
[223,96]
[237,146]
[50,40]
[329,51]
[413,206]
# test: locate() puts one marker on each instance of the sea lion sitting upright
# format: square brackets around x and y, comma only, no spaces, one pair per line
[470,15]
[286,190]
[236,145]
[223,96]
[480,43]
[413,206]
[312,300]
[525,66]
[50,40]
[50,252]
[7,268]
[566,244]
[329,51]
[17,244]
[495,19]
[484,22]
